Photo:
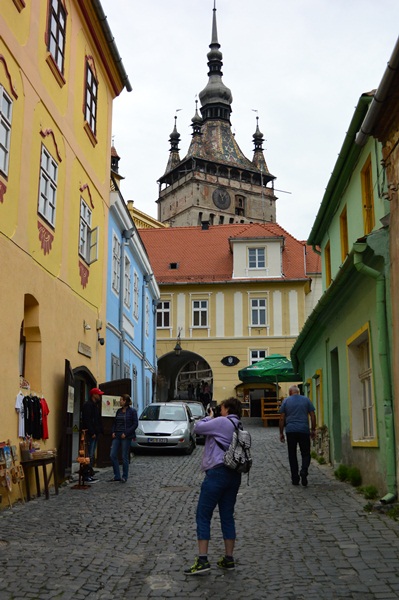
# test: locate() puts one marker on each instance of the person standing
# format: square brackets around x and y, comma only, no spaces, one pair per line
[219,488]
[295,411]
[91,422]
[124,426]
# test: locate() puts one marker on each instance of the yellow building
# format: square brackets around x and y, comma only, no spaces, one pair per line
[59,74]
[230,295]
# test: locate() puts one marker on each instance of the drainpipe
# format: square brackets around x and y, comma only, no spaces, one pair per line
[359,248]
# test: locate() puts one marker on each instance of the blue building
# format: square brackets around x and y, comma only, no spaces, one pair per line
[132,298]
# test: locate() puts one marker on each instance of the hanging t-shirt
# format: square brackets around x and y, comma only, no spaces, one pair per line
[19,407]
[45,412]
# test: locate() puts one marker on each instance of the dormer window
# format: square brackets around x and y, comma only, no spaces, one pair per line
[256,258]
[174,265]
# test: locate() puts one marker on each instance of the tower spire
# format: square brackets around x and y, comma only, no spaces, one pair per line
[215,98]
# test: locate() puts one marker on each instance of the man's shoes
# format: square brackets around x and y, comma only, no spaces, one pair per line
[91,480]
[115,479]
[304,479]
[295,481]
[226,563]
[199,567]
[123,480]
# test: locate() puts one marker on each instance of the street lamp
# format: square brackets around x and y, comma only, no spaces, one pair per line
[177,348]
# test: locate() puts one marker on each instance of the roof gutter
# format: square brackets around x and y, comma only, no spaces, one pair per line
[380,97]
[111,43]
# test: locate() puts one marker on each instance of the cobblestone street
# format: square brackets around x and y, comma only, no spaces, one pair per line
[134,540]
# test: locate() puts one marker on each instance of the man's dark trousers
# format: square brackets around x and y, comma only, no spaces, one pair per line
[303,439]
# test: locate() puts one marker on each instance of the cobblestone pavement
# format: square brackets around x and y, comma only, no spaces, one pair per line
[133,540]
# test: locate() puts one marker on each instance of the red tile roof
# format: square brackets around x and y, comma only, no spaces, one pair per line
[205,255]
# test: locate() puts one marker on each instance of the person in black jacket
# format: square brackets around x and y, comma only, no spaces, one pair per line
[91,422]
[125,424]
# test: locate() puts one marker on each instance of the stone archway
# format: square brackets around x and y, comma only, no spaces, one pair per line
[176,372]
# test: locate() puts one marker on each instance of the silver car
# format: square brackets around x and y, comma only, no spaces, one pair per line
[165,425]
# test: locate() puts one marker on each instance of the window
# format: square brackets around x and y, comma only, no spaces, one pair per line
[126,370]
[343,225]
[257,355]
[367,197]
[116,262]
[361,388]
[163,314]
[200,313]
[48,186]
[327,263]
[256,258]
[5,129]
[147,316]
[136,295]
[127,283]
[115,367]
[135,388]
[88,241]
[319,397]
[56,37]
[258,312]
[240,206]
[91,98]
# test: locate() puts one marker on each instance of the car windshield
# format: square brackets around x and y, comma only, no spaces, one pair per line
[163,413]
[197,410]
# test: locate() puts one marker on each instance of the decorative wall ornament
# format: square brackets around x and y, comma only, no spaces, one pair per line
[13,90]
[84,187]
[3,189]
[84,274]
[46,238]
[44,133]
[230,361]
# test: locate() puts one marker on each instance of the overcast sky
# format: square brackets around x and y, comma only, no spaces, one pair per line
[302,64]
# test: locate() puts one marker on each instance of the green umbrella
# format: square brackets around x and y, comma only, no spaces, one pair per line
[271,369]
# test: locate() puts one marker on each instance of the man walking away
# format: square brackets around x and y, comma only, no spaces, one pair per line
[295,411]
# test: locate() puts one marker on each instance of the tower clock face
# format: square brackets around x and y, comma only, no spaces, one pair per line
[221,198]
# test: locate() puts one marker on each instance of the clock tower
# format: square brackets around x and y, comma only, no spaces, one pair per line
[215,182]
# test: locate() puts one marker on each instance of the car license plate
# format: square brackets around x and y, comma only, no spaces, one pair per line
[157,441]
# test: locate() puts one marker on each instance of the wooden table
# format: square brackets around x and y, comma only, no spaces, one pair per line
[35,463]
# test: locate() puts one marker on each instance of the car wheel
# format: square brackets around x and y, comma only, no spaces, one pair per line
[191,447]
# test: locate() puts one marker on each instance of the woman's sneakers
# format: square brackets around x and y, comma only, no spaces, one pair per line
[200,566]
[227,563]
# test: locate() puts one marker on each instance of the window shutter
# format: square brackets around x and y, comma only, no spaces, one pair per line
[93,250]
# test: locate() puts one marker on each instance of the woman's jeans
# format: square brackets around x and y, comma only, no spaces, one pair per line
[124,444]
[219,488]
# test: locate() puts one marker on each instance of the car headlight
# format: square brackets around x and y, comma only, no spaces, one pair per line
[180,431]
[139,431]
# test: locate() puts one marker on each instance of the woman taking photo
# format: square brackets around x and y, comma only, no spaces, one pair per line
[220,486]
[125,424]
